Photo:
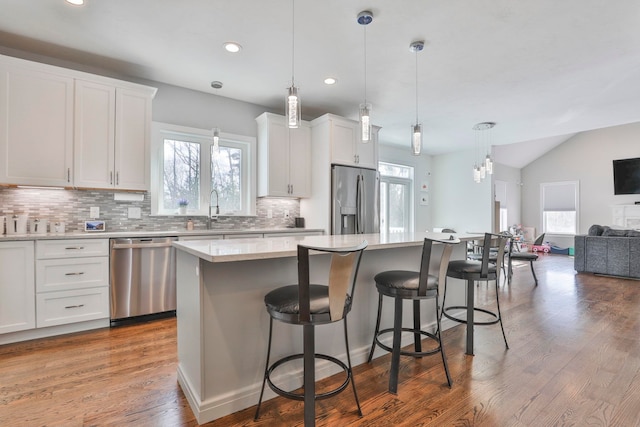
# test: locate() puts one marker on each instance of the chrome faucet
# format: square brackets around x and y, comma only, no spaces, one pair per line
[217,206]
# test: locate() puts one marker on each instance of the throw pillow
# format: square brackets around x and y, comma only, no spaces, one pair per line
[596,230]
[614,233]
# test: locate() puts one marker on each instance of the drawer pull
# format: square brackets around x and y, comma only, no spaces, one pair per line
[75,306]
[70,248]
[79,273]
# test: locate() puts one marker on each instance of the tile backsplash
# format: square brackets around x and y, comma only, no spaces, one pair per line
[72,208]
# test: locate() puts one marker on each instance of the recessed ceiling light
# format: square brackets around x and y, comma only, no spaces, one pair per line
[76,2]
[232,47]
[330,81]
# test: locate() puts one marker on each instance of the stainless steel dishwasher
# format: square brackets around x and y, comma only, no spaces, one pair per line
[143,279]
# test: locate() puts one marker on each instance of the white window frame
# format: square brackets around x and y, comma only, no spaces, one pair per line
[409,183]
[204,137]
[576,201]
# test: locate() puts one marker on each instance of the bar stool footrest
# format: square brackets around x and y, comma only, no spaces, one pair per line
[300,396]
[409,353]
[459,320]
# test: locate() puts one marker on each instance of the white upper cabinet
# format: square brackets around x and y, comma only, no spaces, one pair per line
[94,135]
[284,158]
[112,137]
[60,127]
[36,127]
[346,147]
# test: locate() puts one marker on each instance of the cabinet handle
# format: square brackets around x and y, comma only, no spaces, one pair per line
[75,306]
[80,273]
[74,248]
[291,189]
[111,178]
[117,178]
[68,174]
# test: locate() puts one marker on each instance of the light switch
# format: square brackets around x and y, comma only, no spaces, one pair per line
[134,213]
[94,212]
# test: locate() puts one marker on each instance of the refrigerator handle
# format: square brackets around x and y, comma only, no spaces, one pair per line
[360,205]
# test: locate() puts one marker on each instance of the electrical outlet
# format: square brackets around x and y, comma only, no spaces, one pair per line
[269,213]
[94,212]
[286,213]
[134,213]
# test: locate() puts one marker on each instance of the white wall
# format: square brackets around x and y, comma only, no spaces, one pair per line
[456,200]
[422,173]
[587,158]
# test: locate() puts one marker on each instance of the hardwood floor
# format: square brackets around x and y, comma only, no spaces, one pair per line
[574,361]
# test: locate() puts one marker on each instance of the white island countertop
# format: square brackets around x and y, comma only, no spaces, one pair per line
[279,247]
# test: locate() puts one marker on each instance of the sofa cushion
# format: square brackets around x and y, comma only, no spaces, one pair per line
[596,230]
[596,255]
[634,257]
[633,233]
[618,256]
[614,233]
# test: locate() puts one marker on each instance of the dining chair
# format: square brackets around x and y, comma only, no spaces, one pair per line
[310,305]
[414,286]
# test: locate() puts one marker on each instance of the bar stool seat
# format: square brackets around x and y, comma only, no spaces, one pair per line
[416,286]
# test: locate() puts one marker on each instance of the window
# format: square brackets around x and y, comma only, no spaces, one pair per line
[559,203]
[186,166]
[396,198]
[500,191]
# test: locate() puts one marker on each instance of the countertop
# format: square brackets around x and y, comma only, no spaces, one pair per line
[279,247]
[161,233]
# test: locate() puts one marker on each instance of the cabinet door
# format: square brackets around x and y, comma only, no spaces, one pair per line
[277,146]
[17,287]
[36,127]
[94,131]
[132,145]
[367,154]
[343,140]
[300,162]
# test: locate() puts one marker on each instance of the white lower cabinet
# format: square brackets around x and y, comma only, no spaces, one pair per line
[17,288]
[61,307]
[72,281]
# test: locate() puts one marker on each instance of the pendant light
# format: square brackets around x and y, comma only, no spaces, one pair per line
[365,18]
[292,103]
[416,134]
[216,138]
[483,166]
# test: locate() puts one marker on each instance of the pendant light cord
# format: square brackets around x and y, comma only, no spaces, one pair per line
[293,38]
[365,64]
[416,87]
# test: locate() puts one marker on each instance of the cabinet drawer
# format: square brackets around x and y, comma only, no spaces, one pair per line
[68,274]
[58,308]
[71,248]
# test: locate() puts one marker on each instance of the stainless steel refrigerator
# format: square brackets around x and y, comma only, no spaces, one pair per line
[355,200]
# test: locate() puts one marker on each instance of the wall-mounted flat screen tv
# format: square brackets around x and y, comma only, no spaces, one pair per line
[626,176]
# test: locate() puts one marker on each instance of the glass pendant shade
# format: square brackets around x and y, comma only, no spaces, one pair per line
[365,122]
[292,108]
[488,163]
[476,173]
[416,139]
[216,138]
[483,171]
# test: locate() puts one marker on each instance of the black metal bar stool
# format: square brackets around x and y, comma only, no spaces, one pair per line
[309,305]
[415,286]
[529,257]
[472,271]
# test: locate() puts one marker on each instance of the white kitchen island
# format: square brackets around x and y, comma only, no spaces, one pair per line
[223,325]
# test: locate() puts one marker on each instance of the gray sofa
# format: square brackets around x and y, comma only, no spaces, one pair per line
[608,251]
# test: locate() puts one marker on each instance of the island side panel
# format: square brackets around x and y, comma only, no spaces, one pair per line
[189,326]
